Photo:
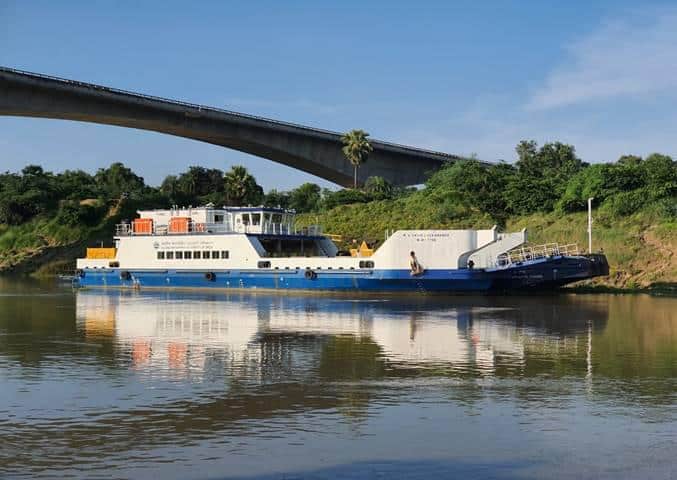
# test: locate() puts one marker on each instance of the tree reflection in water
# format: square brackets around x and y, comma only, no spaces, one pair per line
[172,369]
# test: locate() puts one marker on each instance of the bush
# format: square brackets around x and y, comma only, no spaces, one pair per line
[344,197]
[75,215]
[624,203]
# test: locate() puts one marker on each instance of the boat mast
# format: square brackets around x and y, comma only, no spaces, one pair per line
[590,224]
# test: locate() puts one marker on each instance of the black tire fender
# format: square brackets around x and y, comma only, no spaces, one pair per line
[310,275]
[210,276]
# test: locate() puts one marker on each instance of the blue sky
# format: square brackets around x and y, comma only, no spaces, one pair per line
[461,77]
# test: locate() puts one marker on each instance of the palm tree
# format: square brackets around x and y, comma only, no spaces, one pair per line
[241,187]
[356,148]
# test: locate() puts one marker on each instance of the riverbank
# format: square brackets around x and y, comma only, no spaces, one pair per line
[47,220]
[640,248]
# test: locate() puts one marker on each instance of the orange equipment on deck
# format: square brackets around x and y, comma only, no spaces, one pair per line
[143,226]
[101,253]
[179,224]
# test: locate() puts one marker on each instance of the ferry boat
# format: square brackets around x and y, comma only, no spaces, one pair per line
[260,248]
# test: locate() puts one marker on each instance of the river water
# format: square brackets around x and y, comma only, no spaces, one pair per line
[215,385]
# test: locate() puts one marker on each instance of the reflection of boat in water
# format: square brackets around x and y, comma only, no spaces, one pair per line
[190,332]
[235,248]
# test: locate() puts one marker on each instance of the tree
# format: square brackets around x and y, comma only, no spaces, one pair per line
[276,198]
[356,148]
[77,184]
[468,185]
[200,182]
[241,187]
[660,173]
[305,198]
[118,179]
[542,176]
[379,188]
[346,196]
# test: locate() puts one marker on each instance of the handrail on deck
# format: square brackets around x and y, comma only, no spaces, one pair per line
[195,228]
[527,253]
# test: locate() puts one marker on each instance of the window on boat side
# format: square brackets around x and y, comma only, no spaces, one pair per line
[366,264]
[218,218]
[197,254]
[178,255]
[187,255]
[245,218]
[277,218]
[160,255]
[224,254]
[170,255]
[264,264]
[215,254]
[206,254]
[256,219]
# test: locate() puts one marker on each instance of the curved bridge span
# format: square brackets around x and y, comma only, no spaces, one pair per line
[312,150]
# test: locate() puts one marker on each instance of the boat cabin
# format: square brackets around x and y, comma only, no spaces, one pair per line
[208,219]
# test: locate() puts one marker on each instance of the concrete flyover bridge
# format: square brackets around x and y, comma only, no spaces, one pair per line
[312,150]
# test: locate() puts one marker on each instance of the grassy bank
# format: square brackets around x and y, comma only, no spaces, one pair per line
[44,246]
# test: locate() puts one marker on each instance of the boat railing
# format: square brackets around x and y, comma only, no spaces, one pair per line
[527,253]
[310,230]
[127,229]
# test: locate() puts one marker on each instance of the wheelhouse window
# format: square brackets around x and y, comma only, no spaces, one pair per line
[160,255]
[187,255]
[178,255]
[170,255]
[197,254]
[256,219]
[218,218]
[245,218]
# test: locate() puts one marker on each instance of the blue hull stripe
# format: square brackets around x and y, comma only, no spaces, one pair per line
[541,273]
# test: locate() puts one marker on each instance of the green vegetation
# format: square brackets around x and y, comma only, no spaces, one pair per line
[46,217]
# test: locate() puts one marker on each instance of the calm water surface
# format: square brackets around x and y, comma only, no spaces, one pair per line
[201,385]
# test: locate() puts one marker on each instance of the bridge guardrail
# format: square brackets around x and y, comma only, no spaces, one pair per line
[216,109]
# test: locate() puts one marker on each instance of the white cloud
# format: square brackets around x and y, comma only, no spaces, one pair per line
[633,56]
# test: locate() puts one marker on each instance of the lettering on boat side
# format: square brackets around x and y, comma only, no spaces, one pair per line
[188,244]
[426,236]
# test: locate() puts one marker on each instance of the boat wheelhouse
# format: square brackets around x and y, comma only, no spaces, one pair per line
[261,247]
